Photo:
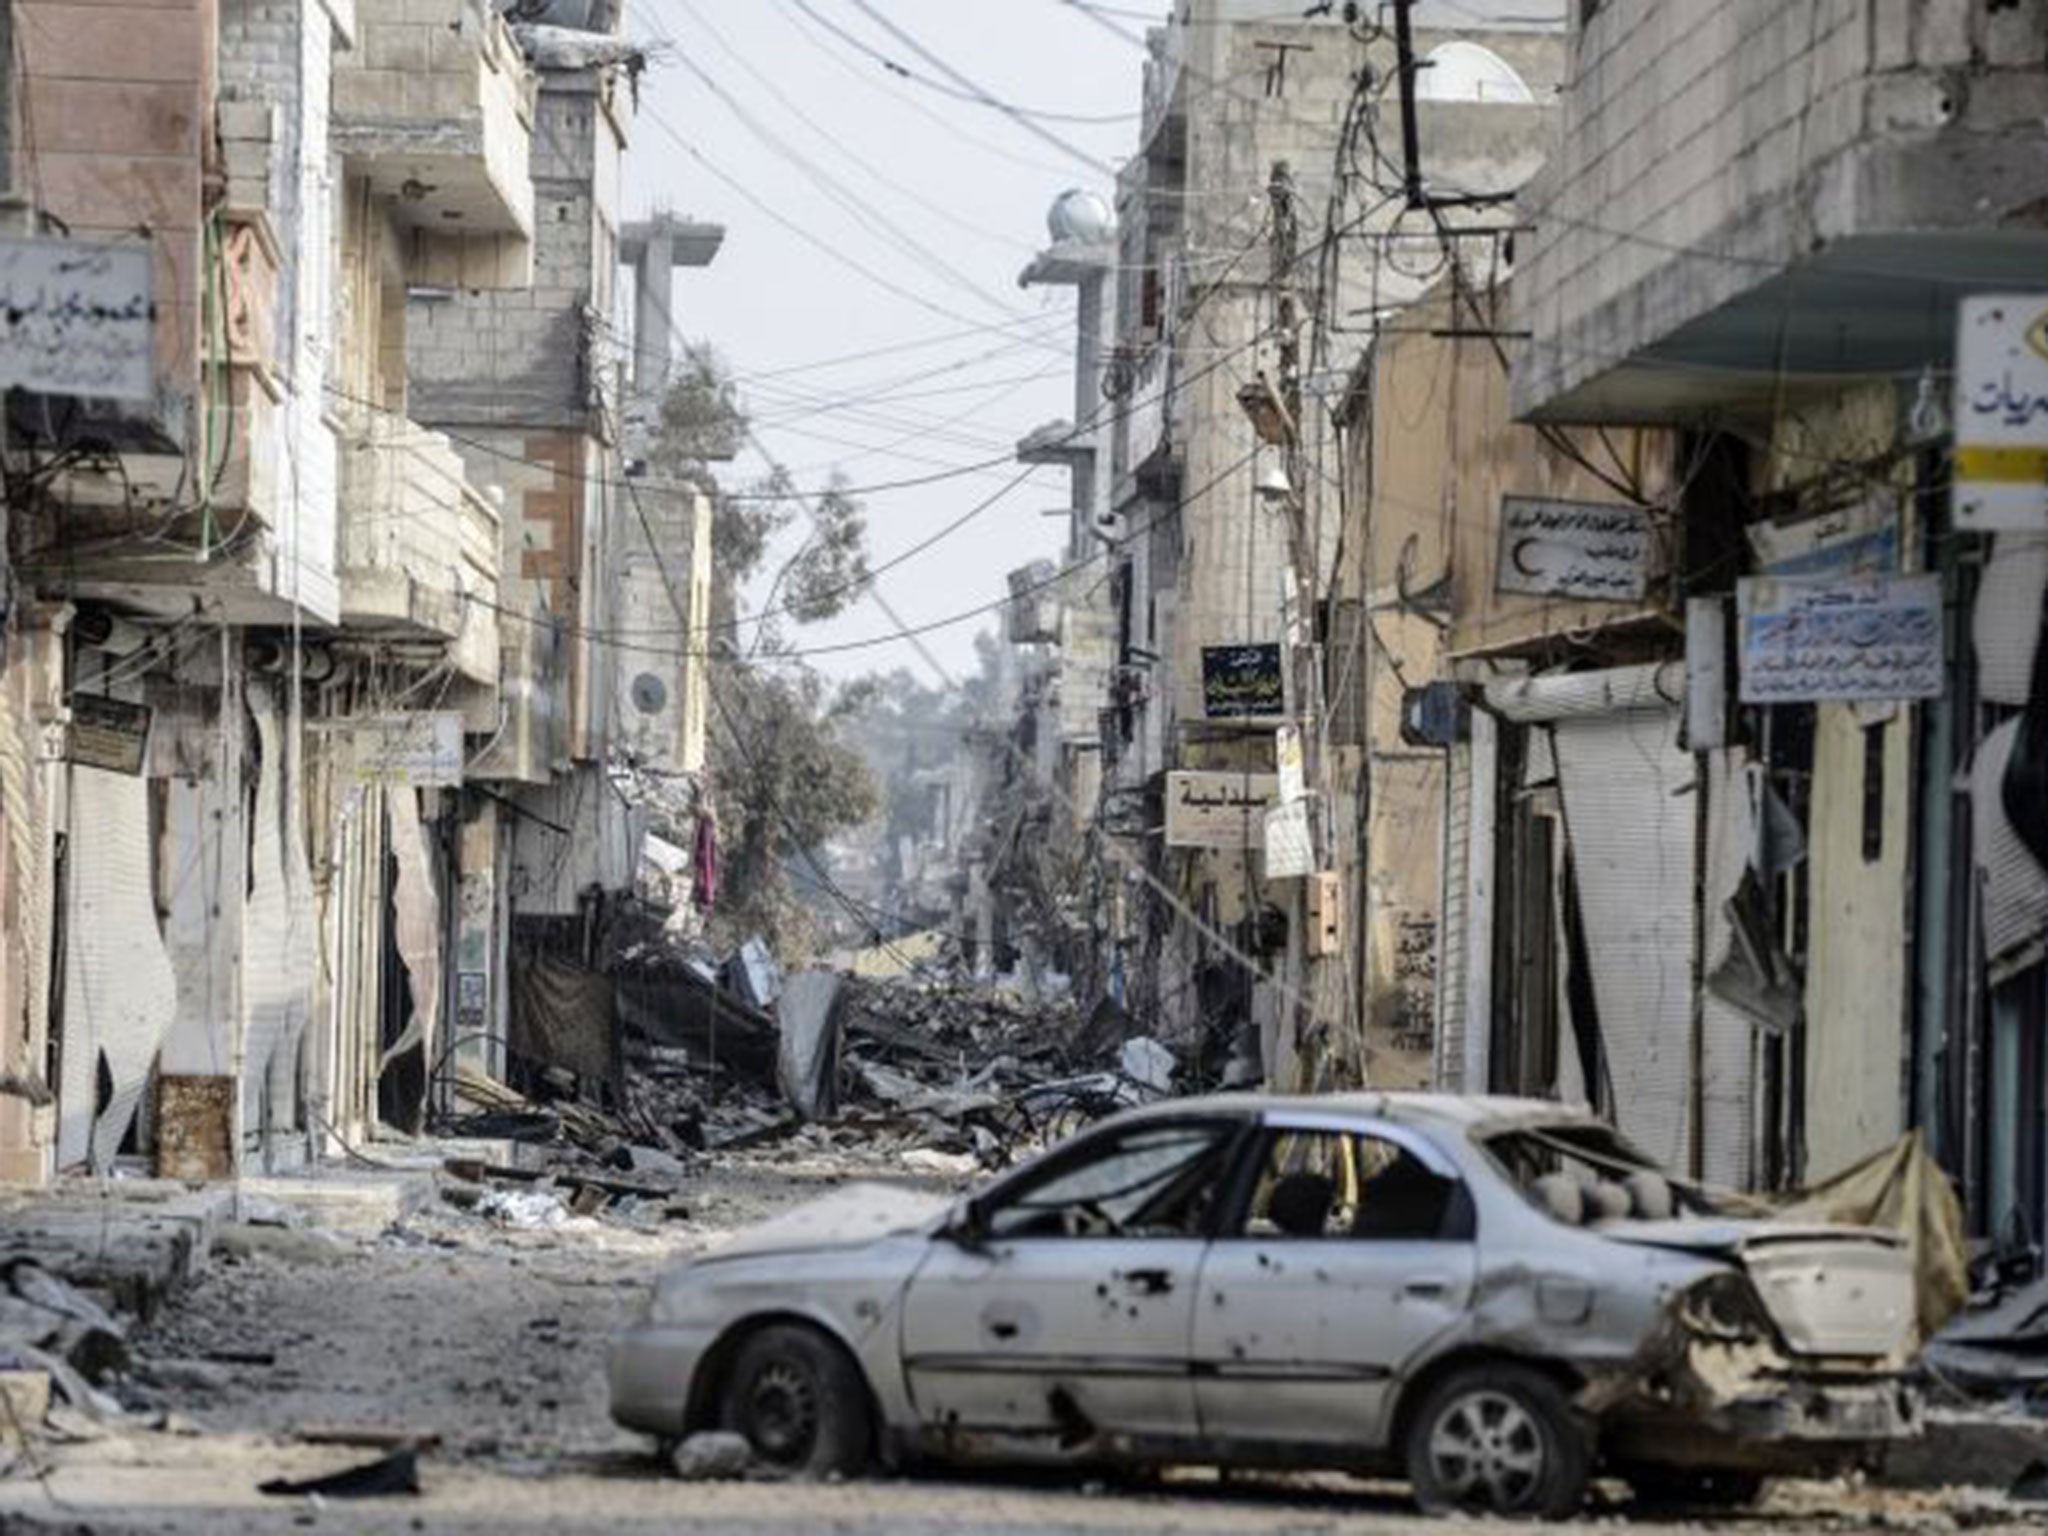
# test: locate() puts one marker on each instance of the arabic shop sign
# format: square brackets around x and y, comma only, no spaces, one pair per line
[1218,810]
[2001,412]
[1859,539]
[1574,549]
[1871,637]
[77,319]
[423,751]
[107,733]
[1241,680]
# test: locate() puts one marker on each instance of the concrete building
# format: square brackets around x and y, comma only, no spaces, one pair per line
[1757,229]
[300,708]
[1254,260]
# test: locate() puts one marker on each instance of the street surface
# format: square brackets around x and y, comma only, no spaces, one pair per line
[492,1340]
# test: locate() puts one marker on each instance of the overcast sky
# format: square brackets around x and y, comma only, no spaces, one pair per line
[867,211]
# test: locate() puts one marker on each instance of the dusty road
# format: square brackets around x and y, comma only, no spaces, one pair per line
[491,1340]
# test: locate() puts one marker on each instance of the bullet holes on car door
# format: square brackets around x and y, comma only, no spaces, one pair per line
[1062,1303]
[1349,1255]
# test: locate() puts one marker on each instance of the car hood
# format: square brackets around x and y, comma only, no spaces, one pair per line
[847,1218]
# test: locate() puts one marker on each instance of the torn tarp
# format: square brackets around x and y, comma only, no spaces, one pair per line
[1901,1189]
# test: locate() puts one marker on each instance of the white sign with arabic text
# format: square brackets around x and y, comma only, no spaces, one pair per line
[422,750]
[2001,412]
[1217,810]
[1575,549]
[1855,638]
[77,318]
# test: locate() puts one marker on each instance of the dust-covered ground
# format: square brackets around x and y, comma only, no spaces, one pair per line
[489,1341]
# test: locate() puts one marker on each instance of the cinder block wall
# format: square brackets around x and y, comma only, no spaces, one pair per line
[1707,141]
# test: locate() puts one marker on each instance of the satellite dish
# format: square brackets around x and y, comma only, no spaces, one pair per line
[650,694]
[1080,215]
[1462,71]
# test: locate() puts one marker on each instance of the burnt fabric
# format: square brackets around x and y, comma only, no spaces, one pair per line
[562,1016]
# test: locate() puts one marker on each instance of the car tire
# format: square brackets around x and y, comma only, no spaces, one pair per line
[1498,1439]
[1695,1487]
[800,1402]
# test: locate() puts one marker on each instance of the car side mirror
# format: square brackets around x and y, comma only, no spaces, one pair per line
[966,1228]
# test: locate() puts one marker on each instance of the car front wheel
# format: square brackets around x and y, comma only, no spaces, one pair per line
[800,1403]
[1500,1439]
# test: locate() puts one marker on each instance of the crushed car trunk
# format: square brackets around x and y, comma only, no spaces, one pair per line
[1830,1291]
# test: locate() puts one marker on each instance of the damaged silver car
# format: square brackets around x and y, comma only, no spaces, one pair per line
[1493,1298]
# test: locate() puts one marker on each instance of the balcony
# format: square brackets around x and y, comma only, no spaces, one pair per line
[1750,203]
[435,107]
[419,545]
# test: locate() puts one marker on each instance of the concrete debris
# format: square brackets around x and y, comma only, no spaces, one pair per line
[949,1165]
[528,1208]
[24,1403]
[42,1316]
[1996,1350]
[286,1245]
[1148,1063]
[713,1456]
[36,1285]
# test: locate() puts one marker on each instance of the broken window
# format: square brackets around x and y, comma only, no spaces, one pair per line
[1581,1174]
[1338,1185]
[1148,1181]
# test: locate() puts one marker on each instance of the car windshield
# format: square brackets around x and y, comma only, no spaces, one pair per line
[1582,1174]
[1152,1179]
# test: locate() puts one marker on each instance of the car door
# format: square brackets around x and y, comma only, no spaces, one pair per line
[1069,1309]
[1348,1250]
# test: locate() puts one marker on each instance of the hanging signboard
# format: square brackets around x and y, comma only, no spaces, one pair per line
[1859,539]
[1287,753]
[422,751]
[1289,845]
[1217,810]
[1872,637]
[2001,412]
[77,318]
[1242,680]
[1574,549]
[107,733]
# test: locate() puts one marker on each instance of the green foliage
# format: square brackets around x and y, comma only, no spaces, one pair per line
[784,777]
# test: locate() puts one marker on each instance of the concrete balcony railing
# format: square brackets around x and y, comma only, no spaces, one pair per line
[435,105]
[419,545]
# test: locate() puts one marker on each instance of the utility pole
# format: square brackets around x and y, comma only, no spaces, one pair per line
[1310,1046]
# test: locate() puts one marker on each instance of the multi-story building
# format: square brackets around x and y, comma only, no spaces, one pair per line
[298,651]
[1757,230]
[1258,247]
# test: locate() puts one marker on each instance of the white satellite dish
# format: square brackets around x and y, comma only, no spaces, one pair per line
[1080,215]
[1462,71]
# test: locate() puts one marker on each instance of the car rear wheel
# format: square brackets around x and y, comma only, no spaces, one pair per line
[1499,1439]
[800,1402]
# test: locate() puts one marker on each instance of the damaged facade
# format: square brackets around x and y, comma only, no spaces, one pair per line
[1209,755]
[1566,455]
[298,726]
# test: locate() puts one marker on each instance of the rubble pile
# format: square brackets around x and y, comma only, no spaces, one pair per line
[942,1077]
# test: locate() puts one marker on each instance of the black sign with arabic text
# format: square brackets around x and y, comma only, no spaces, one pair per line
[107,733]
[1242,680]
